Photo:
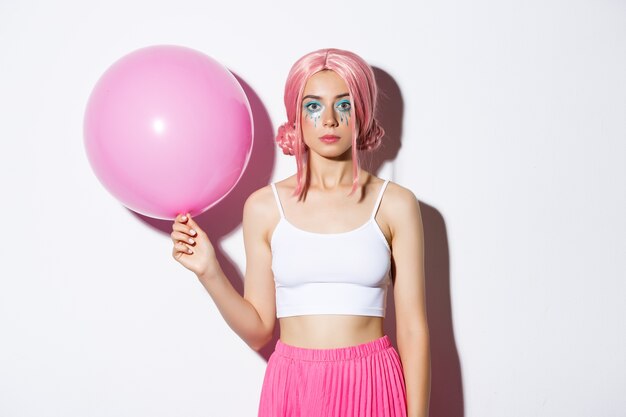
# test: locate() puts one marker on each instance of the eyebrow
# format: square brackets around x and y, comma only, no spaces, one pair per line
[319,98]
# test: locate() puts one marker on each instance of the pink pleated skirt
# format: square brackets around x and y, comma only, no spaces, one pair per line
[363,380]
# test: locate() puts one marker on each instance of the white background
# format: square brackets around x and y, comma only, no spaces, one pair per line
[505,118]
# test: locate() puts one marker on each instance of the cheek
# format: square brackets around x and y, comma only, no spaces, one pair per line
[310,120]
[345,118]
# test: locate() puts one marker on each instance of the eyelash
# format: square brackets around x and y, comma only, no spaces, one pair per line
[308,106]
[344,102]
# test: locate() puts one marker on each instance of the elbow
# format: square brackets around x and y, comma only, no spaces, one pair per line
[260,342]
[418,331]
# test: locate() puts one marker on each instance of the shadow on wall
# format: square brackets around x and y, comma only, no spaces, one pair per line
[226,216]
[446,399]
[222,219]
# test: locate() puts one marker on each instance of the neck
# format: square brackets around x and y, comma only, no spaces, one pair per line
[328,174]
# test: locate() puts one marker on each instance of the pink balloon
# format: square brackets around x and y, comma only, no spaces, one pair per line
[168,130]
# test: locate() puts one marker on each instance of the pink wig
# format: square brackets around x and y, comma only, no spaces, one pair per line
[359,77]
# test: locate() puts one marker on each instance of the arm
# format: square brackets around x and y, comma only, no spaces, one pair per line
[409,296]
[252,316]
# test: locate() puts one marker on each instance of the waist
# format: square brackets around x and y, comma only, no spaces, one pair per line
[329,331]
[334,354]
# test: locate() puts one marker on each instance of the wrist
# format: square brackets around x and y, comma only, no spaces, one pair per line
[209,274]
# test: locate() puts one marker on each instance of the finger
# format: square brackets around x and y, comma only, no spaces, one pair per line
[182,247]
[193,225]
[183,228]
[182,237]
[178,227]
[177,252]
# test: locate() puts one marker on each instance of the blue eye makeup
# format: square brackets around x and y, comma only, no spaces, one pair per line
[314,109]
[344,108]
[344,105]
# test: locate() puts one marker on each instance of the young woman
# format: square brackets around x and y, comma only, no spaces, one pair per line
[322,247]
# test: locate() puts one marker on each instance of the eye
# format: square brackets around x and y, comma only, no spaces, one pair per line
[313,107]
[344,105]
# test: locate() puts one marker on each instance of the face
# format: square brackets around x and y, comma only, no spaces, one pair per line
[327,111]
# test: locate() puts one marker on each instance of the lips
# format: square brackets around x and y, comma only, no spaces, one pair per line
[329,138]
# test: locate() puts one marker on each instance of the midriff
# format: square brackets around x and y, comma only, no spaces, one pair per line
[329,331]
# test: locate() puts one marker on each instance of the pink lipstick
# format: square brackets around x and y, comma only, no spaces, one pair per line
[329,138]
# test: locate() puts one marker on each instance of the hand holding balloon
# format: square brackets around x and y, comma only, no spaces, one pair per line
[192,247]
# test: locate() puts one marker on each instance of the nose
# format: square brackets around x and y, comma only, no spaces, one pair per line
[329,117]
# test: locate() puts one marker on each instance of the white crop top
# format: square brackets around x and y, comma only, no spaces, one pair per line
[330,273]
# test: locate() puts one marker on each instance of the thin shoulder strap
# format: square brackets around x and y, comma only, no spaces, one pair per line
[280,206]
[380,197]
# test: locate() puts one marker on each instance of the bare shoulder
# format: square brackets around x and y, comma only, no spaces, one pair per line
[403,206]
[260,198]
[263,202]
[397,194]
[259,212]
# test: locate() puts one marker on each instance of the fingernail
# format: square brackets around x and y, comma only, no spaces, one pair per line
[184,218]
[192,232]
